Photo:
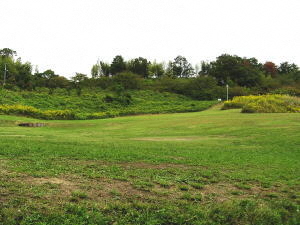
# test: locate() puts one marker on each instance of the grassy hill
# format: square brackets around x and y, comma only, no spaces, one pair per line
[210,167]
[96,104]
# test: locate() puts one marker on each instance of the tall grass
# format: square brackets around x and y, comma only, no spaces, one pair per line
[265,104]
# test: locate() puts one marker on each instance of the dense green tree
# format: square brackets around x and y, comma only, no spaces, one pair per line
[172,84]
[203,88]
[17,73]
[118,65]
[244,76]
[156,70]
[205,68]
[181,67]
[7,52]
[23,76]
[139,66]
[286,68]
[169,70]
[79,78]
[47,74]
[42,79]
[96,70]
[58,82]
[228,68]
[105,68]
[8,64]
[78,82]
[268,83]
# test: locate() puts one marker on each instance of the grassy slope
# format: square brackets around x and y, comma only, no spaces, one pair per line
[91,101]
[210,167]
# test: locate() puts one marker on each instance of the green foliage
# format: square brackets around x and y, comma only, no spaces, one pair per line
[204,88]
[58,115]
[156,70]
[287,67]
[127,80]
[36,113]
[79,194]
[244,75]
[287,91]
[242,71]
[180,67]
[199,88]
[96,70]
[265,104]
[139,66]
[101,105]
[7,52]
[118,65]
[197,185]
[20,110]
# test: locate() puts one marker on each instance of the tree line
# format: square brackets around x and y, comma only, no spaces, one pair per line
[204,81]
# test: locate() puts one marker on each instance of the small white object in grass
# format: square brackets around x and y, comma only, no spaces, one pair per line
[219,99]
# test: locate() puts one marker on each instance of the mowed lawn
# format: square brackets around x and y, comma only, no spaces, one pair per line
[210,167]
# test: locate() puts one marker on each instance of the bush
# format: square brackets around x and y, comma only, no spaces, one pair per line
[20,110]
[238,91]
[123,99]
[127,80]
[265,104]
[36,113]
[173,85]
[108,99]
[287,91]
[58,115]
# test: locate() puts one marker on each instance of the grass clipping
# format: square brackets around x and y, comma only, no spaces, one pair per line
[264,104]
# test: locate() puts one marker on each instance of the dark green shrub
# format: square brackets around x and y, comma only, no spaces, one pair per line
[108,99]
[127,80]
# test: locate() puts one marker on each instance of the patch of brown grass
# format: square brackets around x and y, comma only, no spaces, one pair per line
[101,189]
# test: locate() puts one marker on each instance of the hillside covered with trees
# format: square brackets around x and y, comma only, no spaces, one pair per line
[203,82]
[137,86]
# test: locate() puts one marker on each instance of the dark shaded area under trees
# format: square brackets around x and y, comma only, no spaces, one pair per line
[204,82]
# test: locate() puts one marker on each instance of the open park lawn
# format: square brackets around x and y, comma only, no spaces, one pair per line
[210,167]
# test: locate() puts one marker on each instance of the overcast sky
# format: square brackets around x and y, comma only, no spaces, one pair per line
[69,36]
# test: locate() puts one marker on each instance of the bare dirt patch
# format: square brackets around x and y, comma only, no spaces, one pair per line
[31,124]
[53,180]
[3,167]
[106,189]
[96,189]
[219,191]
[107,186]
[224,191]
[66,186]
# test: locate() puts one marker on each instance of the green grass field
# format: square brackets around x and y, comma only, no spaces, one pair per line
[210,167]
